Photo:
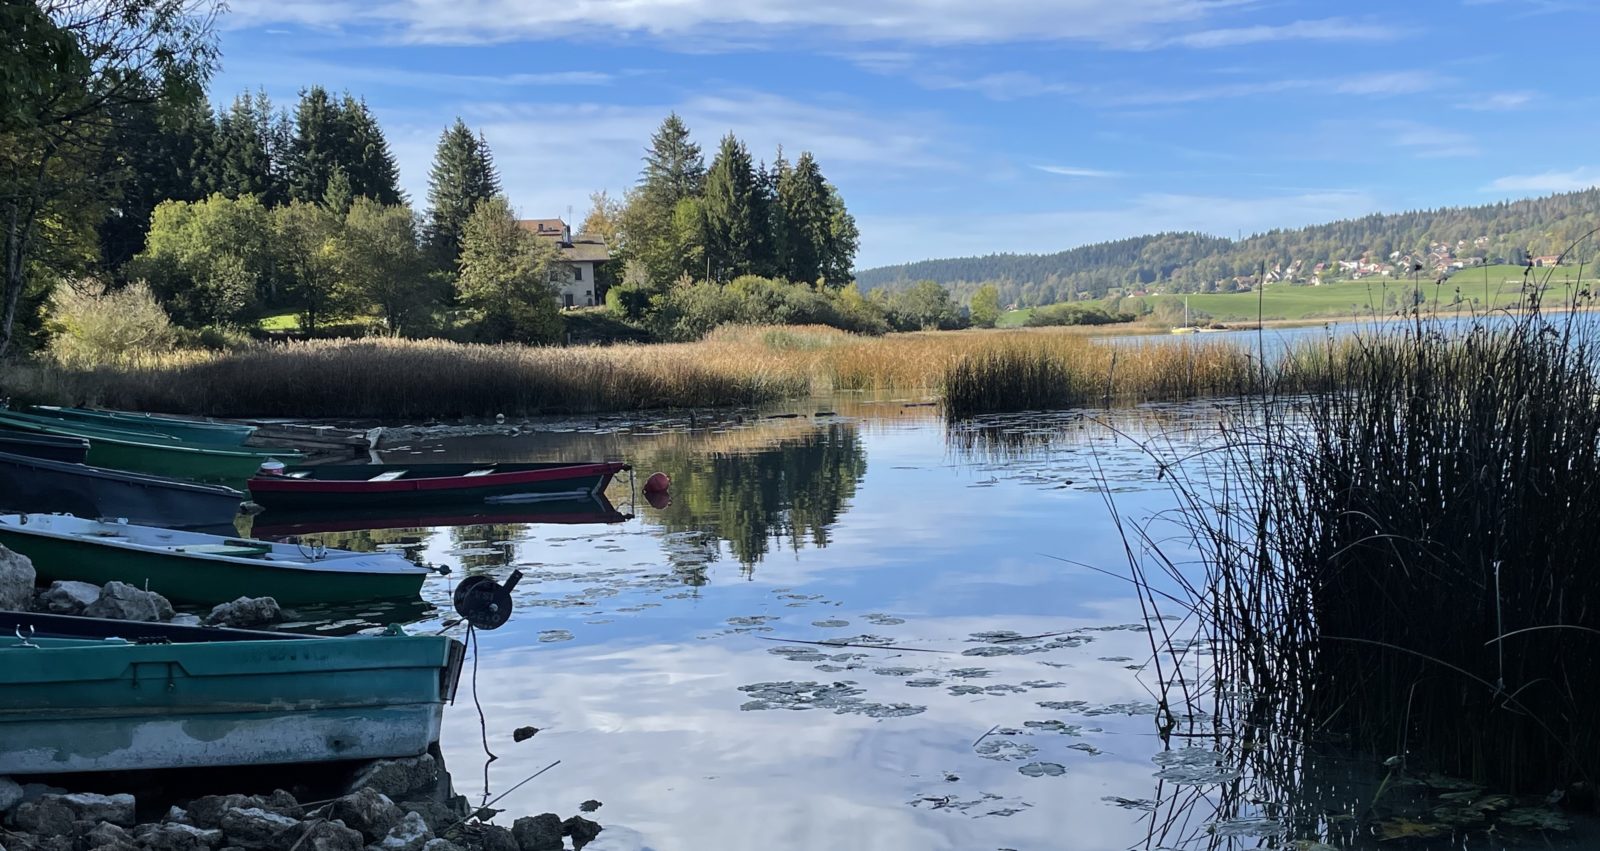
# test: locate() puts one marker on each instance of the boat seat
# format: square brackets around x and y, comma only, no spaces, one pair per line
[483,472]
[387,477]
[228,549]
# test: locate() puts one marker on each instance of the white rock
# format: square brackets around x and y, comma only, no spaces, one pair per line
[17,578]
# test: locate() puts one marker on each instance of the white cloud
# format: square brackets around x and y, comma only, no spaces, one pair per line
[899,239]
[1109,22]
[1382,84]
[551,155]
[1389,83]
[1074,171]
[1499,101]
[1429,141]
[1582,177]
[1326,29]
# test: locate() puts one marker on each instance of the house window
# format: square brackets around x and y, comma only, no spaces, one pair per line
[577,273]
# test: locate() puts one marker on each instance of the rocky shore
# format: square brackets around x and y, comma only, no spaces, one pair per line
[387,805]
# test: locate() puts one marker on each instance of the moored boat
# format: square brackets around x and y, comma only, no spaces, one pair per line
[283,523]
[194,431]
[194,567]
[151,453]
[388,485]
[42,485]
[81,694]
[71,450]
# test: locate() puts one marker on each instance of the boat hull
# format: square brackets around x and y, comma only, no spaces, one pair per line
[152,453]
[52,486]
[193,580]
[194,431]
[70,450]
[567,482]
[95,705]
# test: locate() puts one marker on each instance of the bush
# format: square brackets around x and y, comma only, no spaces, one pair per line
[689,311]
[91,325]
[1075,314]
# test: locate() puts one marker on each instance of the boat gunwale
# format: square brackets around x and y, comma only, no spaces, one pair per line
[130,477]
[329,563]
[286,484]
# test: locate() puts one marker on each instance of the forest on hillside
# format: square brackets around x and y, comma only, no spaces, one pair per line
[1509,231]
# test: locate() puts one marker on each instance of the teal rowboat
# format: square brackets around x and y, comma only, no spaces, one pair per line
[163,455]
[191,431]
[80,694]
[193,567]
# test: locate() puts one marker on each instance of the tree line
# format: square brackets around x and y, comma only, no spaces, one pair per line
[1193,262]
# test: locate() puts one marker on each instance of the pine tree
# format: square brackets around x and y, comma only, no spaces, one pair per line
[158,154]
[242,156]
[339,195]
[735,217]
[463,175]
[777,223]
[367,161]
[320,143]
[839,247]
[674,171]
[803,196]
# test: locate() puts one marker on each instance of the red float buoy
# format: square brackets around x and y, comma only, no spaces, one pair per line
[657,483]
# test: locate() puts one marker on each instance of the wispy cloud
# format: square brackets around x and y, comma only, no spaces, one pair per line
[1074,171]
[1326,29]
[1498,101]
[1380,84]
[1582,177]
[1429,141]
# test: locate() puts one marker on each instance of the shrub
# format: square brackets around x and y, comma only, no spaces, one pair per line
[92,325]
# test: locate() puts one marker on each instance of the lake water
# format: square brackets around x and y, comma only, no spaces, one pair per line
[996,692]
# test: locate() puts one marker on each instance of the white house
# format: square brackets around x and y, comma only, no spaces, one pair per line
[581,255]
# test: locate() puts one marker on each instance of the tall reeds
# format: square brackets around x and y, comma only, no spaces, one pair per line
[1397,546]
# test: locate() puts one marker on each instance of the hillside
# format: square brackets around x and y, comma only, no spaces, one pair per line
[1441,241]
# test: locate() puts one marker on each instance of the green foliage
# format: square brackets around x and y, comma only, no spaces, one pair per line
[1079,314]
[736,217]
[307,247]
[463,174]
[505,277]
[92,326]
[689,310]
[381,267]
[251,150]
[924,306]
[985,307]
[207,261]
[656,229]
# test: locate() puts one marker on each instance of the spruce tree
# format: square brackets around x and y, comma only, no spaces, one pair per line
[673,167]
[367,161]
[674,171]
[320,143]
[803,196]
[463,174]
[735,217]
[241,161]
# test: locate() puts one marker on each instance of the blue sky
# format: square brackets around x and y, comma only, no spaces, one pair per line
[963,126]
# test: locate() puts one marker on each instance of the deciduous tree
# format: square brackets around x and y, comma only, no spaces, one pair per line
[505,276]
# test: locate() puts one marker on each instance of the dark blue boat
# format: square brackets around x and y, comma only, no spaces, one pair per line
[72,450]
[41,485]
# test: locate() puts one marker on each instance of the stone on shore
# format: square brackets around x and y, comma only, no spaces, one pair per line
[175,836]
[368,811]
[87,806]
[396,777]
[17,578]
[68,597]
[325,835]
[441,845]
[246,612]
[207,812]
[256,829]
[105,835]
[582,830]
[493,837]
[45,817]
[410,834]
[10,794]
[538,833]
[121,601]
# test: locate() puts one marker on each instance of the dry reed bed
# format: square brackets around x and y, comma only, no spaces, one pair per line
[973,372]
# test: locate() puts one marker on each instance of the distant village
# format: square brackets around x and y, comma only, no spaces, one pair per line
[1441,260]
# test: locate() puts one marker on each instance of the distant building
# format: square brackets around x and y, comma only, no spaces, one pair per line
[575,271]
[1547,260]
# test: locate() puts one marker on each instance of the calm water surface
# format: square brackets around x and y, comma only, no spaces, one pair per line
[998,694]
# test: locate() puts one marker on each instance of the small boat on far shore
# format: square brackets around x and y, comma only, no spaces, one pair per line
[88,695]
[193,567]
[46,486]
[161,454]
[193,431]
[366,486]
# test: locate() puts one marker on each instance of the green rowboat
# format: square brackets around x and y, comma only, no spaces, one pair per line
[191,431]
[80,694]
[160,454]
[193,567]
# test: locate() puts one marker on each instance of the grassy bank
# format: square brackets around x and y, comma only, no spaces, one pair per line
[732,366]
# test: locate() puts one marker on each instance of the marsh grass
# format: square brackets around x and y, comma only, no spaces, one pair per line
[392,378]
[1396,547]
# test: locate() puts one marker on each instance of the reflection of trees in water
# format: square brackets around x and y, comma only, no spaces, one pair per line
[792,490]
[486,536]
[1001,438]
